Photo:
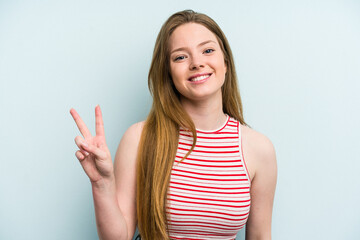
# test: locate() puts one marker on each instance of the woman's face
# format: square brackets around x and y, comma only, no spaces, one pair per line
[197,63]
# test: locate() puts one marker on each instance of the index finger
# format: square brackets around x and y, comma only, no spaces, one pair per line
[80,124]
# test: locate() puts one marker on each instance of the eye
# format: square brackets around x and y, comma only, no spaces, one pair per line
[209,50]
[179,58]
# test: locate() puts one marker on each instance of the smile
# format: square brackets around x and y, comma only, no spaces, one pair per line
[199,78]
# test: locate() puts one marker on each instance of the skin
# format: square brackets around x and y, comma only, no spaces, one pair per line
[193,50]
[259,155]
[114,201]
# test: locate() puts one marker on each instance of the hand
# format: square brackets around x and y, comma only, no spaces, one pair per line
[93,153]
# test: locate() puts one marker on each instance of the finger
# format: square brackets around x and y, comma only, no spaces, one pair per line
[79,155]
[99,154]
[80,124]
[85,153]
[99,123]
[80,142]
[87,148]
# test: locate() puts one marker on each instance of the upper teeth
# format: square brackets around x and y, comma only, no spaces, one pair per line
[199,78]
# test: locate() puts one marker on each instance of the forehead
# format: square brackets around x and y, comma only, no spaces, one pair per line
[190,35]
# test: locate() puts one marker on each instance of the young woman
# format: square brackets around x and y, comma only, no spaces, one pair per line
[193,169]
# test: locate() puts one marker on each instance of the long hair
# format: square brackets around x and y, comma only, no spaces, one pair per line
[159,139]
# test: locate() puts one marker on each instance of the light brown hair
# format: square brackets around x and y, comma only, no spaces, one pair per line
[159,139]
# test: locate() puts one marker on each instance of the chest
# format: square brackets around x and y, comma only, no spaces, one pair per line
[209,191]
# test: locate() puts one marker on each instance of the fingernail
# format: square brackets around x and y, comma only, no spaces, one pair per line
[85,144]
[86,153]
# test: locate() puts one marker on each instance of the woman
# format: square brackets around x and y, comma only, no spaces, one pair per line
[181,174]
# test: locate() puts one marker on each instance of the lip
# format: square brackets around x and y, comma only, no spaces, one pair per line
[199,75]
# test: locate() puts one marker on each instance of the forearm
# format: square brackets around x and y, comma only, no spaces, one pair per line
[110,221]
[258,236]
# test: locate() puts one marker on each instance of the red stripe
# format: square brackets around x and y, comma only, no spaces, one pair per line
[199,225]
[204,233]
[211,174]
[209,137]
[204,222]
[207,216]
[196,190]
[209,160]
[182,238]
[185,238]
[214,204]
[208,151]
[217,133]
[210,179]
[208,233]
[203,146]
[224,188]
[198,210]
[214,166]
[210,199]
[182,226]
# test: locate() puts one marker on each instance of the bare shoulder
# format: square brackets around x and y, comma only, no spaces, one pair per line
[257,141]
[126,154]
[258,150]
[133,133]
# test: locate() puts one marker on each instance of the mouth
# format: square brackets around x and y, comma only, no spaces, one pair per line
[199,77]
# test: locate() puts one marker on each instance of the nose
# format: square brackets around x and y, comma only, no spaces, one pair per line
[196,63]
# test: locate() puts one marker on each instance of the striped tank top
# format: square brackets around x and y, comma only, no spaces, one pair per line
[209,192]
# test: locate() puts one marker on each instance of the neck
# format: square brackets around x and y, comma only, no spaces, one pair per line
[206,114]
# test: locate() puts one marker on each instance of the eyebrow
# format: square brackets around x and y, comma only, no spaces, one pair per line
[200,44]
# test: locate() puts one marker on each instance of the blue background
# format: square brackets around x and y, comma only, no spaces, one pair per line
[298,64]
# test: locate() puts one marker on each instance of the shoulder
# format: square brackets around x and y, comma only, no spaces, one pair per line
[257,142]
[133,133]
[128,145]
[258,150]
[131,138]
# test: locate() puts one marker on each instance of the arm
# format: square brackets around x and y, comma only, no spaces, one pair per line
[110,222]
[125,175]
[116,210]
[94,156]
[261,155]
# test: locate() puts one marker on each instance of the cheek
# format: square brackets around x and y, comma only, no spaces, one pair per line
[221,66]
[218,62]
[177,73]
[172,71]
